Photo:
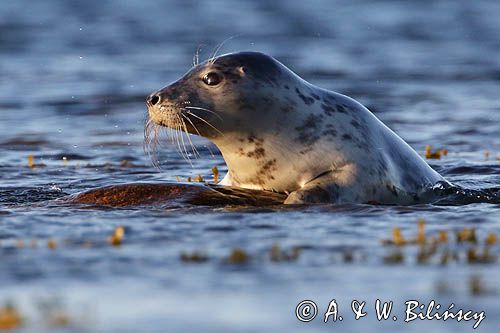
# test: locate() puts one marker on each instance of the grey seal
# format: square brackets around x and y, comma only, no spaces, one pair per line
[278,132]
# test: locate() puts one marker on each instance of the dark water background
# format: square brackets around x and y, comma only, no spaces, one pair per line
[73,78]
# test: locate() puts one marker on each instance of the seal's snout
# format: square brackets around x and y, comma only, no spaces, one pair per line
[153,99]
[162,110]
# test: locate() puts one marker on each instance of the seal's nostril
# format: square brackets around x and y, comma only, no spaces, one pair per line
[154,100]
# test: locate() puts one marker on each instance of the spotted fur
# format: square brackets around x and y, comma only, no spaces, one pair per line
[278,132]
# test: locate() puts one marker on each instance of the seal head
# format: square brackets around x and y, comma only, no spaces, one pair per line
[222,92]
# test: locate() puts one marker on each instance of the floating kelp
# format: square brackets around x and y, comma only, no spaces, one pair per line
[438,248]
[194,257]
[429,154]
[117,237]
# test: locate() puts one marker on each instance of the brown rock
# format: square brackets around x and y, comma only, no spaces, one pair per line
[174,195]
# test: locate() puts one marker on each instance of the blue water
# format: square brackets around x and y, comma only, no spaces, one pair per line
[73,80]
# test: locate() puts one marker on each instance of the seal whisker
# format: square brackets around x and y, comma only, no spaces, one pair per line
[150,149]
[162,131]
[169,134]
[156,143]
[172,135]
[197,131]
[175,134]
[196,56]
[193,148]
[149,143]
[181,134]
[147,137]
[147,133]
[153,143]
[217,49]
[203,109]
[145,144]
[206,122]
[180,140]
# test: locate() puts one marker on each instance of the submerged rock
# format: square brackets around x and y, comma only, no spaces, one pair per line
[173,195]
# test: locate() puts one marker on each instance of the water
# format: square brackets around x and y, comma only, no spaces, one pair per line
[74,76]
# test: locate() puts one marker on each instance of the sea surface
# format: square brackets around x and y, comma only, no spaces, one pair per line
[73,80]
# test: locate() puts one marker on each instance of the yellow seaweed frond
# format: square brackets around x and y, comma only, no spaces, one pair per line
[117,237]
[10,318]
[215,172]
[429,154]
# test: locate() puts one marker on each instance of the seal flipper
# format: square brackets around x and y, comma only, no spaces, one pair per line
[315,191]
[315,194]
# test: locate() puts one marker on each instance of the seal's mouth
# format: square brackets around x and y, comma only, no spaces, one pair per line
[186,117]
[166,115]
[178,120]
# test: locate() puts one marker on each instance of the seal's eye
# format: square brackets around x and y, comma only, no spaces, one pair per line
[212,79]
